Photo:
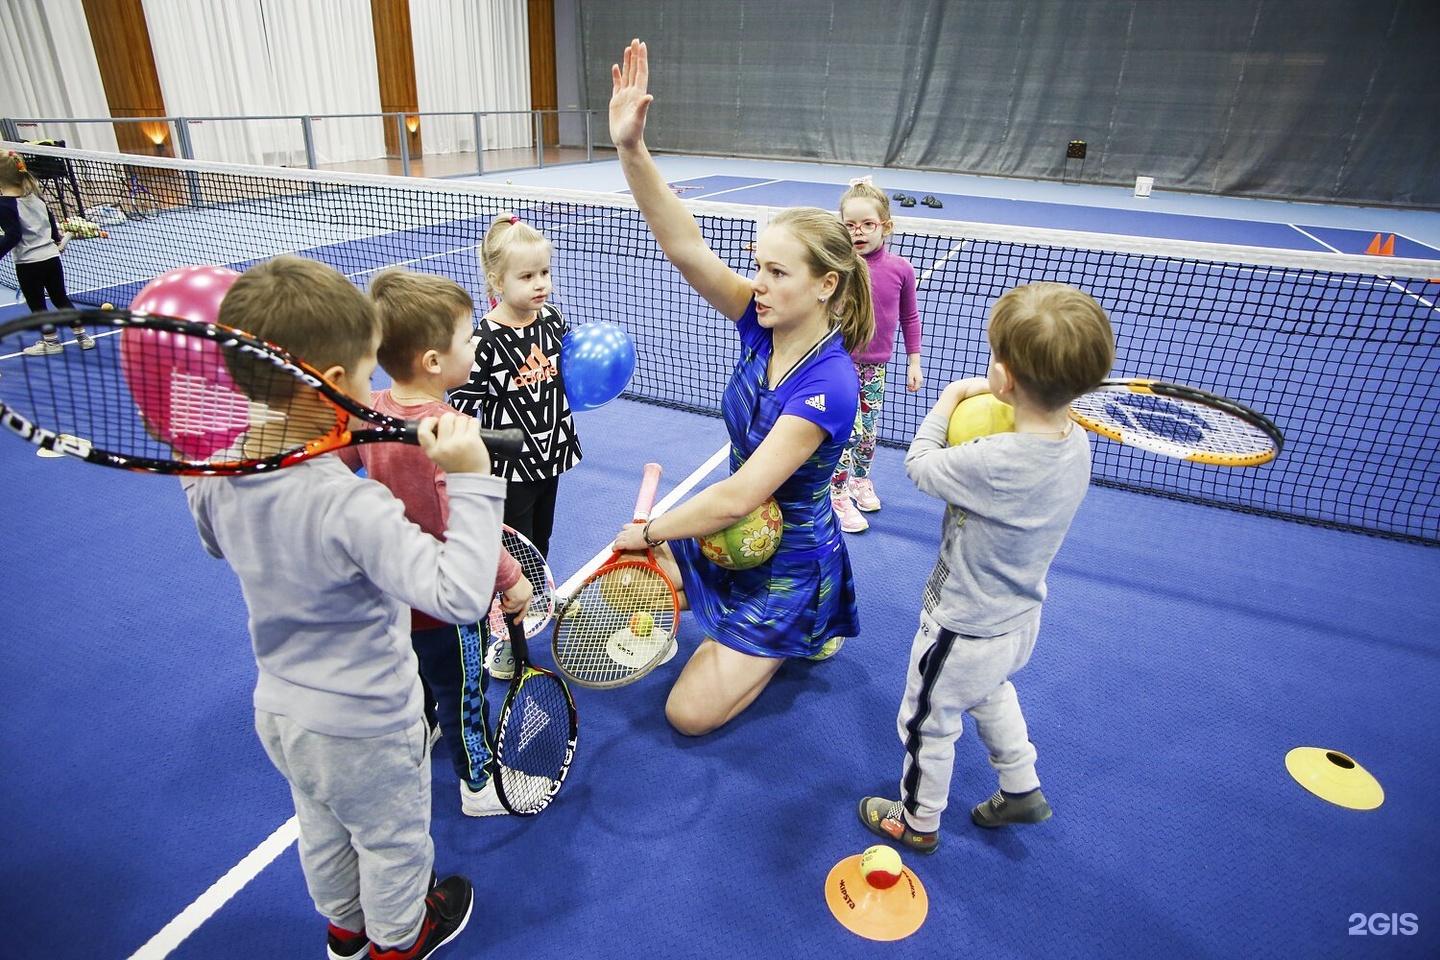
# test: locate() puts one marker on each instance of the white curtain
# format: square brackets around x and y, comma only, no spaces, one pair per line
[254,58]
[473,56]
[48,69]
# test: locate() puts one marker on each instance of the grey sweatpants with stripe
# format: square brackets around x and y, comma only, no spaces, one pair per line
[363,808]
[951,676]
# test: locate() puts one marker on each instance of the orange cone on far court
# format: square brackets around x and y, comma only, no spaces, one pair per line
[1381,248]
[891,912]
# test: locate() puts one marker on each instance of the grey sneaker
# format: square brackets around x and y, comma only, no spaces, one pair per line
[84,340]
[44,348]
[1001,809]
[886,818]
[500,662]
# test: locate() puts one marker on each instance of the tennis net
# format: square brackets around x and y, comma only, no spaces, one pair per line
[1340,351]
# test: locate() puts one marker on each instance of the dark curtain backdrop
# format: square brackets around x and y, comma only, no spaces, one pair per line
[1298,99]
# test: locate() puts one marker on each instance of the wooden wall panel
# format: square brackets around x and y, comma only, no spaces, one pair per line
[543,95]
[395,63]
[127,69]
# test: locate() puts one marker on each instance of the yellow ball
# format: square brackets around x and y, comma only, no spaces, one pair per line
[107,306]
[642,623]
[747,542]
[979,416]
[881,866]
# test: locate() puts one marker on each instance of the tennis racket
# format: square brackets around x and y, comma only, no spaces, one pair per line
[537,571]
[621,621]
[1178,421]
[167,395]
[535,736]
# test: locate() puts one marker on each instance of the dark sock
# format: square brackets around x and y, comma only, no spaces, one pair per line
[1017,796]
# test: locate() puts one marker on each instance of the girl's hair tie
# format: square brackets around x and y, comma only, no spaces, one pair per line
[514,220]
[867,180]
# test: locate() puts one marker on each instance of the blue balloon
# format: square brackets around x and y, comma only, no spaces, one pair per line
[597,361]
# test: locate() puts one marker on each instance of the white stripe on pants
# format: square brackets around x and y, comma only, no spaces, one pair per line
[951,676]
[363,807]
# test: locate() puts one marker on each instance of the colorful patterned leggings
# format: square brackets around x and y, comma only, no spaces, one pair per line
[860,451]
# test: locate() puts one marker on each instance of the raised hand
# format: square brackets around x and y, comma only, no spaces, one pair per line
[629,96]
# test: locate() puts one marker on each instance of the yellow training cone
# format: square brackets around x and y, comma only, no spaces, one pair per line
[1332,776]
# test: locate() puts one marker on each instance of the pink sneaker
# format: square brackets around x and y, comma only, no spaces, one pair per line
[864,493]
[850,519]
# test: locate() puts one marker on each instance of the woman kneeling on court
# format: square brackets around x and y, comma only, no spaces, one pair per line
[789,409]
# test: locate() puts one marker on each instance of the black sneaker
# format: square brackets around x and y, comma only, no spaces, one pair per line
[1004,808]
[447,910]
[886,818]
[343,945]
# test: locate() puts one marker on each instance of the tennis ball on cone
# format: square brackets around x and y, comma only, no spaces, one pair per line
[748,542]
[107,306]
[881,866]
[979,416]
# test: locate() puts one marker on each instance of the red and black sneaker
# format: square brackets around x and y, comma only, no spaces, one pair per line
[344,945]
[886,818]
[447,910]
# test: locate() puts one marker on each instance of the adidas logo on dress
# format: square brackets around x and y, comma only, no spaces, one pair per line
[817,401]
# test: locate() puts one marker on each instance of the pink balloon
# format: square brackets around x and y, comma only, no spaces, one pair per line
[180,383]
[190,292]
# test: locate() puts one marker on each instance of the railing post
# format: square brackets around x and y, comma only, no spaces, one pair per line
[187,152]
[480,144]
[404,146]
[307,131]
[539,140]
[589,140]
[182,137]
[8,130]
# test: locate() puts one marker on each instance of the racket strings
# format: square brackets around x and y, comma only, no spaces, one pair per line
[534,742]
[1173,423]
[619,623]
[535,570]
[164,395]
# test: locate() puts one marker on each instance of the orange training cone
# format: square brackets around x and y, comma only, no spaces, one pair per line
[1389,249]
[875,913]
[1374,249]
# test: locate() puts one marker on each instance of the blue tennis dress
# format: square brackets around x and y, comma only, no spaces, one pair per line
[805,594]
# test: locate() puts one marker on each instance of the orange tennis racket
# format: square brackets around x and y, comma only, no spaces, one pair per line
[621,621]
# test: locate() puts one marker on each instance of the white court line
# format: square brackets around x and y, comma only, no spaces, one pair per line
[955,251]
[209,902]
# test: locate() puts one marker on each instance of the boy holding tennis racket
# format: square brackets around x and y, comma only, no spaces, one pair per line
[328,565]
[426,322]
[1009,501]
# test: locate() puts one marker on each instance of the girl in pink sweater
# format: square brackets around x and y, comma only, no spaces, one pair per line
[866,211]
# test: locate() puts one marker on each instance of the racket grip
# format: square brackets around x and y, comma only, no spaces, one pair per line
[649,484]
[507,442]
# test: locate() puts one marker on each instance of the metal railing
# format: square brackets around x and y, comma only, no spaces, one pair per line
[173,135]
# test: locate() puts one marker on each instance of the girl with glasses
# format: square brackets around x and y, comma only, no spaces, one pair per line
[865,209]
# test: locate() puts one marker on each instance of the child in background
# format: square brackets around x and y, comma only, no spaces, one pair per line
[426,323]
[328,565]
[865,209]
[29,229]
[516,381]
[1009,500]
